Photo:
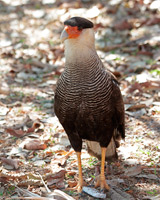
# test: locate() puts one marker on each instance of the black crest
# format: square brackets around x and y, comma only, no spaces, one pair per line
[80,22]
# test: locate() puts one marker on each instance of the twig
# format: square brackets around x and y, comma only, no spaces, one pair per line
[48,190]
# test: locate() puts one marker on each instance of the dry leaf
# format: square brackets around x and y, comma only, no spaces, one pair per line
[59,174]
[72,183]
[123,25]
[3,179]
[61,161]
[35,145]
[134,171]
[153,21]
[149,176]
[148,85]
[71,173]
[57,179]
[12,162]
[34,126]
[136,107]
[16,133]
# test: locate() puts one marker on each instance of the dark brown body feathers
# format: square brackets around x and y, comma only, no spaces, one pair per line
[88,103]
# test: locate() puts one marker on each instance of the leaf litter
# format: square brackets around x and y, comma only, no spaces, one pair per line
[35,152]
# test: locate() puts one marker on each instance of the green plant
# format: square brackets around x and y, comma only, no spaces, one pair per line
[152,192]
[155,71]
[92,161]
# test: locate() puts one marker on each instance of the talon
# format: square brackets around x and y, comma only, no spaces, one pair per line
[78,187]
[102,183]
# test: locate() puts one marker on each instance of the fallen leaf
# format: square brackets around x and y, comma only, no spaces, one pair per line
[57,179]
[148,85]
[12,162]
[134,171]
[153,21]
[51,180]
[61,161]
[34,126]
[3,179]
[123,25]
[149,176]
[16,133]
[136,107]
[59,174]
[71,173]
[115,182]
[130,191]
[35,145]
[72,183]
[116,193]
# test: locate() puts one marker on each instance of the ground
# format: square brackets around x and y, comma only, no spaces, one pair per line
[36,156]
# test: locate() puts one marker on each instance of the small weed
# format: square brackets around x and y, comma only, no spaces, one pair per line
[10,190]
[135,52]
[43,165]
[35,154]
[69,176]
[32,78]
[51,42]
[22,40]
[139,139]
[142,151]
[17,94]
[92,176]
[37,6]
[117,59]
[37,109]
[152,192]
[113,52]
[149,133]
[155,72]
[150,62]
[92,161]
[14,138]
[148,153]
[70,192]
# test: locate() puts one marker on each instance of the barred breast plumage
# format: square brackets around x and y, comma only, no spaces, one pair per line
[83,102]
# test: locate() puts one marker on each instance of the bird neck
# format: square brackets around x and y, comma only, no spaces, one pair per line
[78,52]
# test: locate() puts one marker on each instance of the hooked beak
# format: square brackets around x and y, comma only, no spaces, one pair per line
[64,35]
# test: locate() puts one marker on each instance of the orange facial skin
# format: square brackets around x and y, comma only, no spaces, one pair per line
[72,31]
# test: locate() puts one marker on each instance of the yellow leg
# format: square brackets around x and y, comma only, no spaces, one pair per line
[101,180]
[80,182]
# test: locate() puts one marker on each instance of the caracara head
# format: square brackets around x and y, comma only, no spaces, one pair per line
[79,39]
[78,29]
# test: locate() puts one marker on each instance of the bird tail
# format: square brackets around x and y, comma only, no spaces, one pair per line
[94,148]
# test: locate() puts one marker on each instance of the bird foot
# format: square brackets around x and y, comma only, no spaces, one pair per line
[79,186]
[102,183]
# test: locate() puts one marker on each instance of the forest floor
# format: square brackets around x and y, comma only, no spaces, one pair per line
[36,159]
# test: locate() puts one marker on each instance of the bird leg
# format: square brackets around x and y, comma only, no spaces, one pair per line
[80,180]
[101,180]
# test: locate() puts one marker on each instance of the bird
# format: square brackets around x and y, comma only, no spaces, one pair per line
[88,101]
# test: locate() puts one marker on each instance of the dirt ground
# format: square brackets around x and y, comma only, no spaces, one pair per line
[36,159]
